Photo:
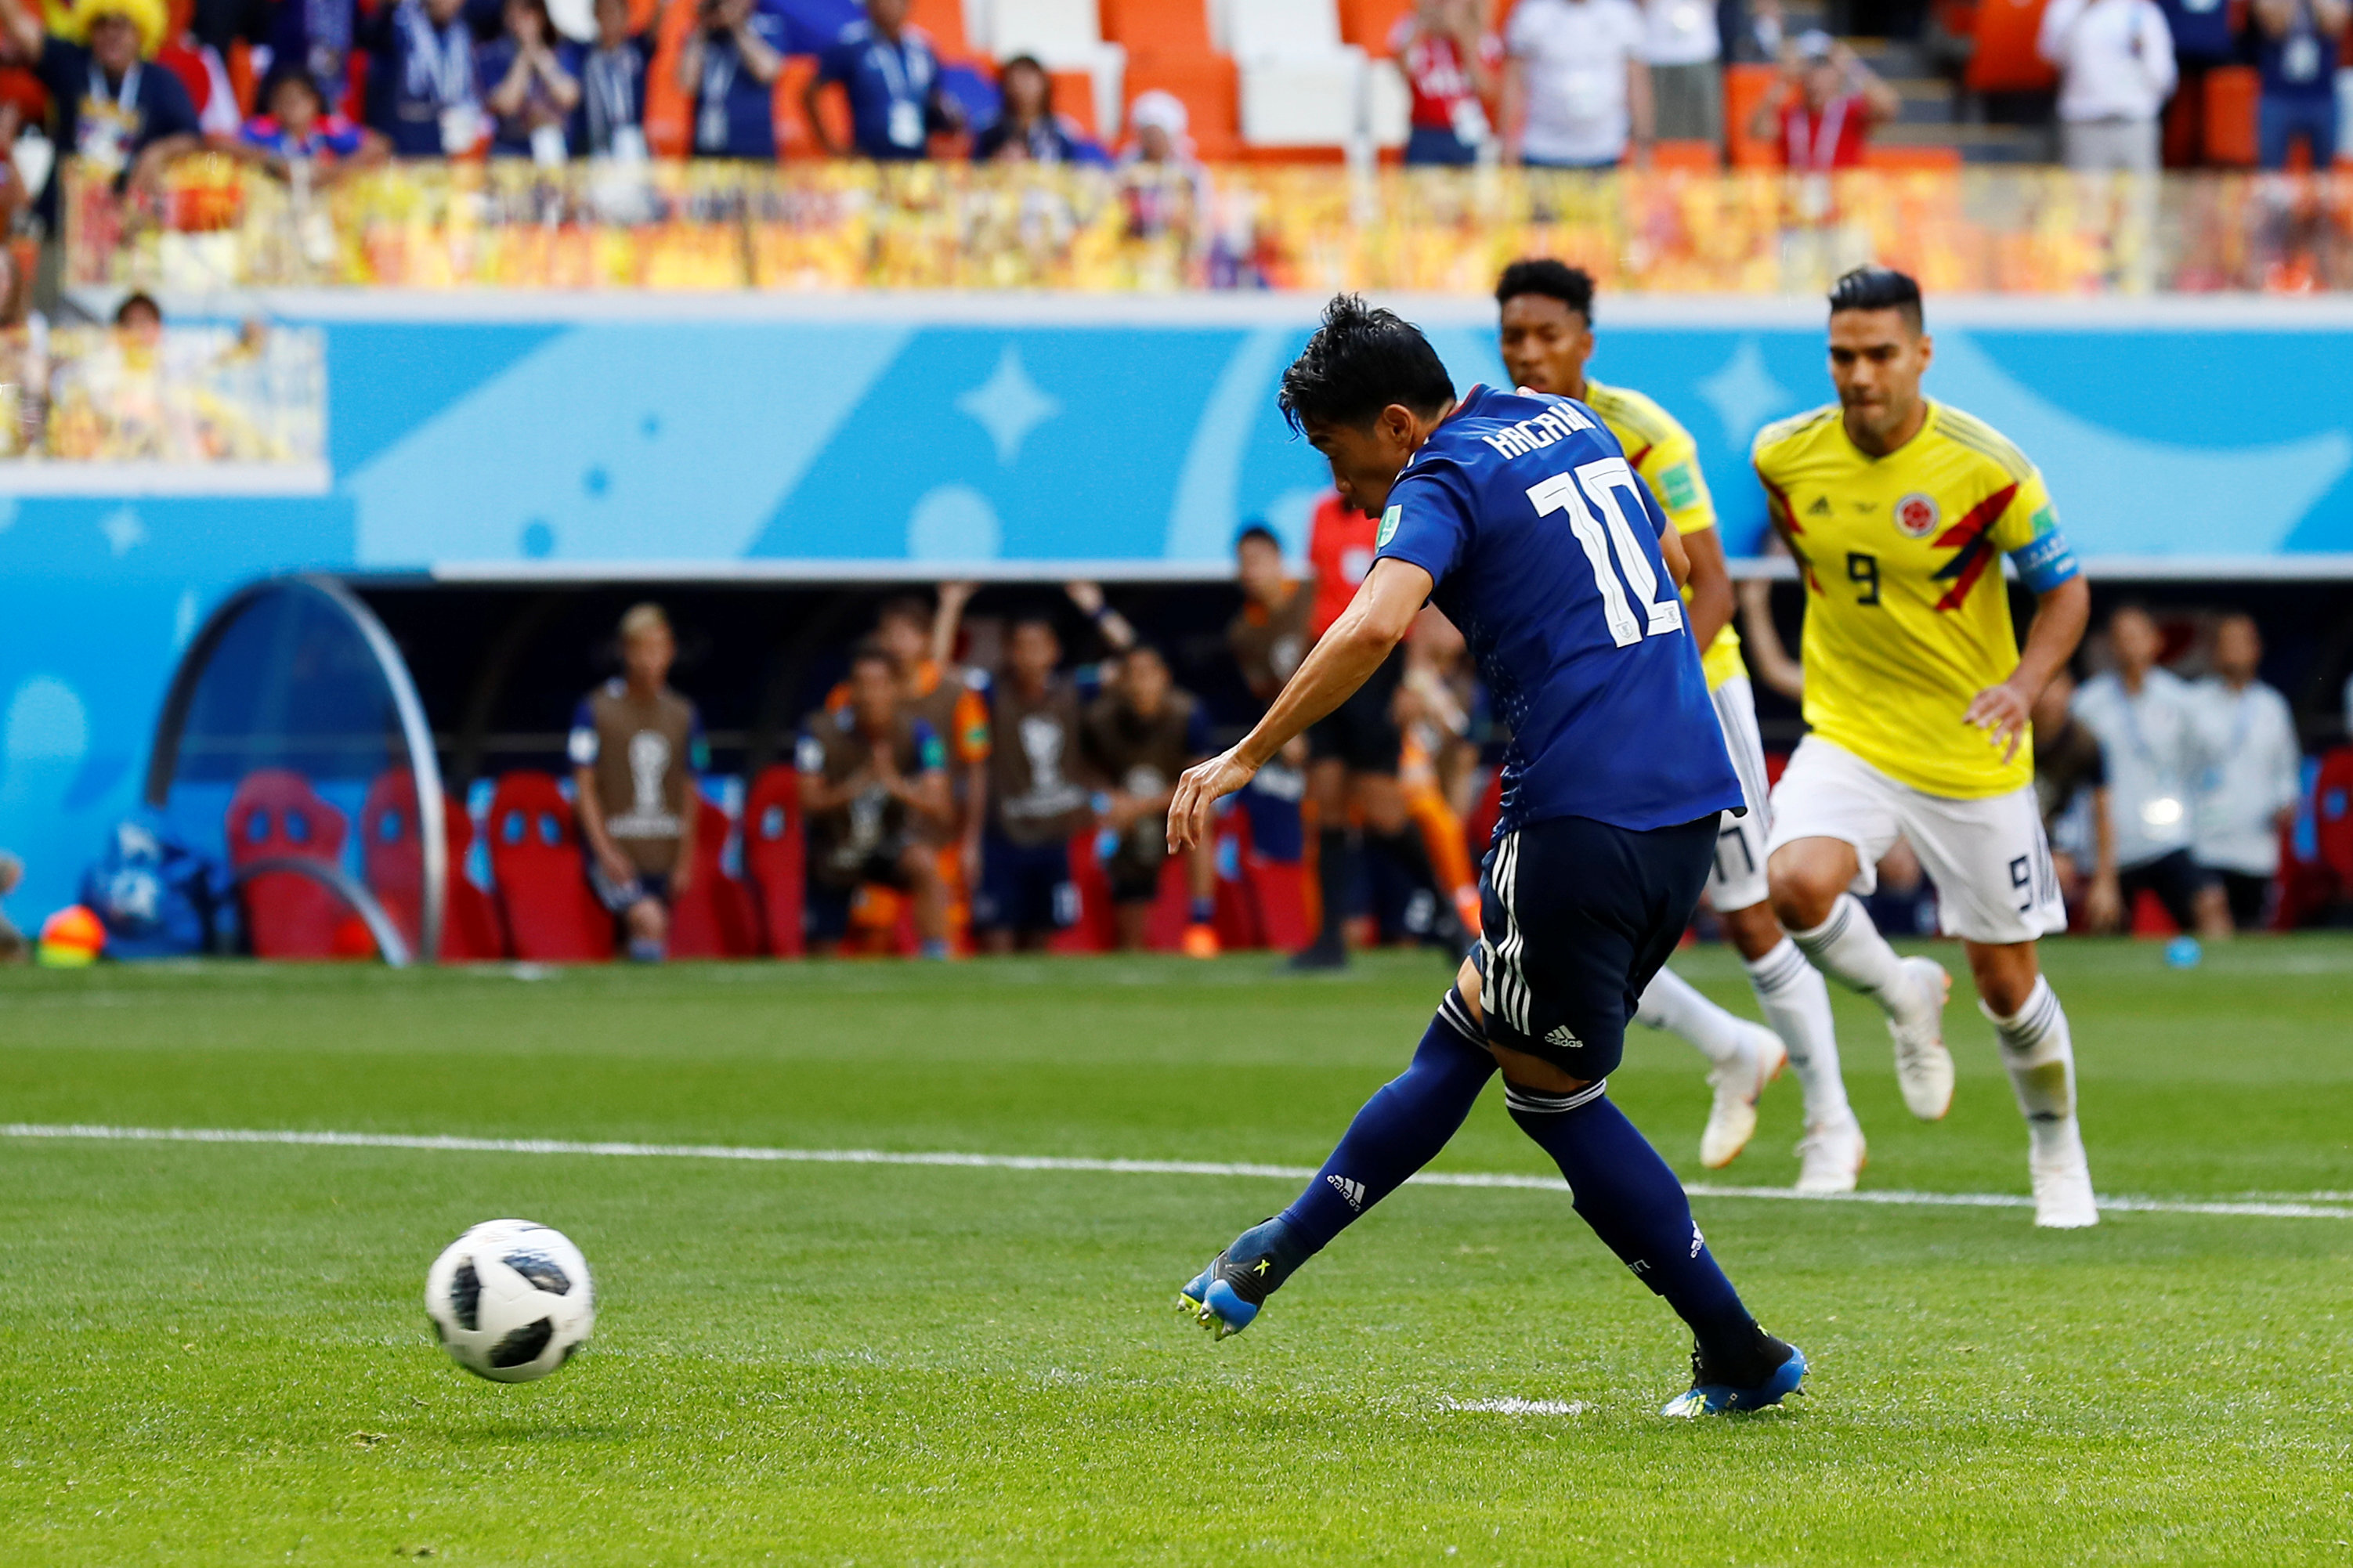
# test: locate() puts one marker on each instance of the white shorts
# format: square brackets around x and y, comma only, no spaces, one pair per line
[1736,882]
[1987,858]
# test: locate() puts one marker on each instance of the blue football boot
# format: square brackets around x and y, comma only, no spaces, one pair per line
[1782,1366]
[1226,1296]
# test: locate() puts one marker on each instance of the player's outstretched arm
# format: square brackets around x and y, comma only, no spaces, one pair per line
[1343,659]
[2002,711]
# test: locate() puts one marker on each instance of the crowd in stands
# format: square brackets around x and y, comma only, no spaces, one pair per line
[324,86]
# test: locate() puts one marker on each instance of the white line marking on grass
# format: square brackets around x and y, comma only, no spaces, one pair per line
[1516,1406]
[445,1143]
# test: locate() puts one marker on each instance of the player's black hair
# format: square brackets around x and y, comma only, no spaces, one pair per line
[1254,529]
[1361,361]
[1878,289]
[1572,286]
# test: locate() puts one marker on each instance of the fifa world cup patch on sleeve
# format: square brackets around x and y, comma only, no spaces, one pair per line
[2047,559]
[1677,487]
[1389,521]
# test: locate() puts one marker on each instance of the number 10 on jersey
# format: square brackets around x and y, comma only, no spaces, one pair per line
[1598,481]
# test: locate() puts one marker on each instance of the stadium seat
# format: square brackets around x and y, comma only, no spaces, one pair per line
[1209,87]
[543,885]
[1066,37]
[714,918]
[393,865]
[1371,24]
[943,22]
[2006,59]
[773,856]
[1157,28]
[1691,157]
[1745,87]
[2233,97]
[669,113]
[1301,85]
[275,814]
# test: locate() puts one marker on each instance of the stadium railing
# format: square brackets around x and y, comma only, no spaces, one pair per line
[217,224]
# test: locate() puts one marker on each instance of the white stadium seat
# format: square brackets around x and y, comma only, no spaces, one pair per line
[1314,100]
[1281,29]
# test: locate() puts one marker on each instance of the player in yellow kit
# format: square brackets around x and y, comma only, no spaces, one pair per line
[1546,338]
[1899,510]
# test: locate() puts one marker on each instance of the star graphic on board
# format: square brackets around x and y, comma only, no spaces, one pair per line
[1009,405]
[1744,393]
[123,531]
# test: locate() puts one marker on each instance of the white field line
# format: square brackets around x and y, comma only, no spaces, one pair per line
[458,1145]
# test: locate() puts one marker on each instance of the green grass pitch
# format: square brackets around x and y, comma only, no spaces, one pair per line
[217,1353]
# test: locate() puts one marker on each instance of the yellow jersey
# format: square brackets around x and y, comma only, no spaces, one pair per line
[1907,617]
[1659,449]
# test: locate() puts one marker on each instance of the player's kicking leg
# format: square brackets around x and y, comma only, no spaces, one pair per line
[1560,1004]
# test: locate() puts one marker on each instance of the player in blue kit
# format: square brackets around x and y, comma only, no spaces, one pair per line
[1518,517]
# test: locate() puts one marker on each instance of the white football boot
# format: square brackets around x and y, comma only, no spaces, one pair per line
[2062,1184]
[1738,1085]
[1829,1157]
[1923,1068]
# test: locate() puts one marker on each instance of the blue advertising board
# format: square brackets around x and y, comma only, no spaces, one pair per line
[478,437]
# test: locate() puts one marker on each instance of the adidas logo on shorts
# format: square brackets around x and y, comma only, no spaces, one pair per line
[1565,1040]
[1351,1191]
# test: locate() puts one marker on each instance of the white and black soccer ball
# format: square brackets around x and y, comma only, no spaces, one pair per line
[511,1301]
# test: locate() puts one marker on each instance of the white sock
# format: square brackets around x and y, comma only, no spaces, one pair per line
[1797,1003]
[1849,948]
[1671,1002]
[2041,1055]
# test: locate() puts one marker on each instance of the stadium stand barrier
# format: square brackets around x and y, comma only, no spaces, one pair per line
[706,226]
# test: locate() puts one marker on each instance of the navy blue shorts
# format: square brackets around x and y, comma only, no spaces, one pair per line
[1025,886]
[1578,917]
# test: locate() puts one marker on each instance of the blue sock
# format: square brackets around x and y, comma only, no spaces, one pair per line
[644,952]
[1632,1200]
[1205,911]
[1400,1130]
[933,948]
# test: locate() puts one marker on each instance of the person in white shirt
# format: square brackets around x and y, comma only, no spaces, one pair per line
[1577,91]
[2252,776]
[2143,716]
[2117,71]
[1684,51]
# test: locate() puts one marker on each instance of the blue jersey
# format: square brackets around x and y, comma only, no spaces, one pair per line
[1544,547]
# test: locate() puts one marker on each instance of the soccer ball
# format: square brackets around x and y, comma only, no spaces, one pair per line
[510,1301]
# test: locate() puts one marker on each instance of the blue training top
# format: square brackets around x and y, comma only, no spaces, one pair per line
[1544,547]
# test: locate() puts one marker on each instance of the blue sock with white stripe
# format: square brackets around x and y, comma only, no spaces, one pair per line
[1632,1200]
[1400,1130]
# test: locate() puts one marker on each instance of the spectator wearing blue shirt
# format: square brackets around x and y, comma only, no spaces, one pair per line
[728,68]
[528,85]
[1027,129]
[2295,49]
[297,125]
[2203,39]
[120,115]
[893,80]
[316,35]
[610,120]
[422,92]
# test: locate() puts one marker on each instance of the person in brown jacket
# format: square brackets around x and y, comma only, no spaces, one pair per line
[635,746]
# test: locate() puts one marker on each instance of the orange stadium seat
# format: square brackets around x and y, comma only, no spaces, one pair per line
[1210,88]
[773,856]
[1370,24]
[943,22]
[714,918]
[669,113]
[2006,59]
[1692,157]
[275,814]
[1156,26]
[2234,93]
[551,915]
[1746,86]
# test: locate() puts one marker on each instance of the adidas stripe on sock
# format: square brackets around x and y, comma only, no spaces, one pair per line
[1797,1003]
[2040,1053]
[1849,948]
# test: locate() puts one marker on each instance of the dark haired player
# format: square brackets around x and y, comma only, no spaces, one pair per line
[1546,312]
[1519,516]
[1919,700]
